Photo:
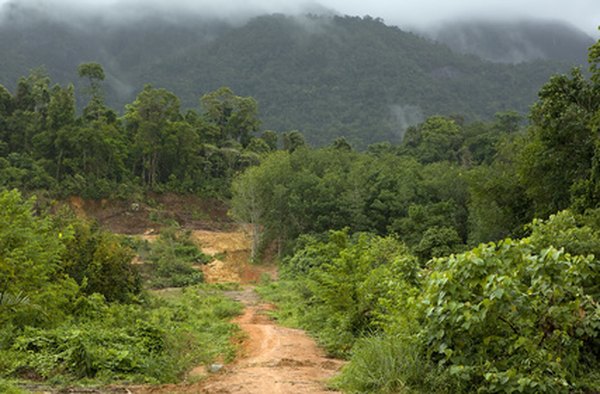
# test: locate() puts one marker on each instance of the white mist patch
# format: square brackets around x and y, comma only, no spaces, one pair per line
[123,89]
[314,25]
[405,116]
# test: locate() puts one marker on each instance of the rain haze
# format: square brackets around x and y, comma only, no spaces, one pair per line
[412,14]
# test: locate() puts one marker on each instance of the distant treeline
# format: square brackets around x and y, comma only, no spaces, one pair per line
[46,145]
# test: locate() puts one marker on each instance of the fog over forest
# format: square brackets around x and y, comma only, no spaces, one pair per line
[411,15]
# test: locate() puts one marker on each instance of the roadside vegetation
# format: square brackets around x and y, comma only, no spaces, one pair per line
[72,308]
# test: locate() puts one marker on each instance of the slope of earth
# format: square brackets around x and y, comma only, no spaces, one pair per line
[232,257]
[149,214]
[325,76]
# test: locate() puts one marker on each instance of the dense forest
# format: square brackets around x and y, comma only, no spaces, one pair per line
[315,74]
[461,259]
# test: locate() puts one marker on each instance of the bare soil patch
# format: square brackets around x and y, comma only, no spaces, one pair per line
[150,214]
[232,251]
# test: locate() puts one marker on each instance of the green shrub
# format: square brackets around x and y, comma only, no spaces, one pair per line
[515,316]
[342,288]
[99,261]
[33,289]
[171,258]
[512,317]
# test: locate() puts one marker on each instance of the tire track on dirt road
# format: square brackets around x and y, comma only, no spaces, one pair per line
[275,359]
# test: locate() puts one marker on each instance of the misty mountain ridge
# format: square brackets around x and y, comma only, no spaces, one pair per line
[324,75]
[517,41]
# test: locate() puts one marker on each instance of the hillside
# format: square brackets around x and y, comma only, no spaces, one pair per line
[325,76]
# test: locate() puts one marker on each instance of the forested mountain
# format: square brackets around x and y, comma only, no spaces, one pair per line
[326,76]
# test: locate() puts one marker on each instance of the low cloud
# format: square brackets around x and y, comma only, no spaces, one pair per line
[408,14]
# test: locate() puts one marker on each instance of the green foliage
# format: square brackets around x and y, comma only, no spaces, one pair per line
[155,343]
[312,191]
[58,275]
[557,159]
[437,242]
[33,288]
[19,171]
[100,262]
[513,317]
[325,76]
[171,258]
[498,206]
[437,139]
[342,286]
[517,315]
[45,145]
[236,117]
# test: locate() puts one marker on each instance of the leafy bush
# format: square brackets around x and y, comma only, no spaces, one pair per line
[99,261]
[514,316]
[343,287]
[33,290]
[171,258]
[511,317]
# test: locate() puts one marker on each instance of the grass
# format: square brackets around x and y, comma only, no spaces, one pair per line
[381,364]
[288,299]
[10,387]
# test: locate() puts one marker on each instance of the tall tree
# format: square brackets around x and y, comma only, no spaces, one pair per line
[95,75]
[149,118]
[557,157]
[235,116]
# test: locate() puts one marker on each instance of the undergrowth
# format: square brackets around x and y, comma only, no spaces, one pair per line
[156,342]
[170,259]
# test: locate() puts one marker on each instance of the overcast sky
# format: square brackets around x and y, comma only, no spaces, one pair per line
[584,14]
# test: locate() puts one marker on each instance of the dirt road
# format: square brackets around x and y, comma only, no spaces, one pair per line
[273,359]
